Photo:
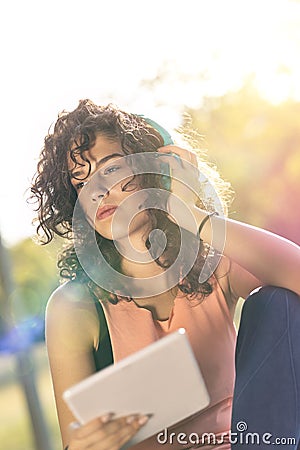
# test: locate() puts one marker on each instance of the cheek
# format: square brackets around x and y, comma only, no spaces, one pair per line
[129,214]
[85,208]
[89,208]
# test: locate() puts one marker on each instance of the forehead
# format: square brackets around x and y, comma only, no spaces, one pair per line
[103,149]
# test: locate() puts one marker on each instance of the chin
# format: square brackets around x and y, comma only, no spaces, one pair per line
[107,232]
[117,230]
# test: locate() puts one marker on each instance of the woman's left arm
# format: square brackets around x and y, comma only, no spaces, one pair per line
[271,259]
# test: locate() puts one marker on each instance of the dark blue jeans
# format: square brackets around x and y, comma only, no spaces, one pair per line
[266,404]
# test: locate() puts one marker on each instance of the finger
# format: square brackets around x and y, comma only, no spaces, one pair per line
[183,153]
[187,166]
[115,441]
[115,434]
[128,431]
[123,438]
[126,421]
[184,173]
[80,432]
[186,178]
[173,159]
[98,429]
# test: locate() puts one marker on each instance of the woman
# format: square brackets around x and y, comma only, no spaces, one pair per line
[137,208]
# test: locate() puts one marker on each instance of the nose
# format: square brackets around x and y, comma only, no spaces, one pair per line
[99,194]
[96,189]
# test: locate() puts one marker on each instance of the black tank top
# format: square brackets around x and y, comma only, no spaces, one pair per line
[103,356]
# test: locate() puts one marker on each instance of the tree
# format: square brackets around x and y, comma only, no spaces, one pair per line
[34,276]
[257,147]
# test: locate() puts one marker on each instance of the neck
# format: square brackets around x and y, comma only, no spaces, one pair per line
[133,247]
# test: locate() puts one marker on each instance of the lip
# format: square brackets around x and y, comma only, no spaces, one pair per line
[105,211]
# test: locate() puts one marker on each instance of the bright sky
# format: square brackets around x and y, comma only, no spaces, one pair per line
[57,52]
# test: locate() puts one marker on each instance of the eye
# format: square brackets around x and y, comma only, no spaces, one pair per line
[80,185]
[111,169]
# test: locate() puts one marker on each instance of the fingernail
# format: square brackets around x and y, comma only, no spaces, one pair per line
[74,425]
[106,418]
[143,419]
[131,419]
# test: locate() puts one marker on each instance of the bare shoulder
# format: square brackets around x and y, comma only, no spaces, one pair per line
[69,294]
[71,315]
[70,297]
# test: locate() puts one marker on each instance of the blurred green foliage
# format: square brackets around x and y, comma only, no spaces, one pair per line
[34,276]
[256,146]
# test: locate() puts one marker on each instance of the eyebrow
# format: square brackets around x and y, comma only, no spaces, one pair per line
[98,164]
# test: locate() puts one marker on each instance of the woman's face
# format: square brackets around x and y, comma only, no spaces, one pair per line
[103,192]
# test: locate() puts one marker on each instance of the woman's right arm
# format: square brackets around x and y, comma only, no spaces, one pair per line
[72,331]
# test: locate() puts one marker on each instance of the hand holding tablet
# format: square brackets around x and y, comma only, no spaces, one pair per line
[162,380]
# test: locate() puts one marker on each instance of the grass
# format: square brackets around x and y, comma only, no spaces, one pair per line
[15,430]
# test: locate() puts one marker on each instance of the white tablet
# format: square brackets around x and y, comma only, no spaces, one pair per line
[162,379]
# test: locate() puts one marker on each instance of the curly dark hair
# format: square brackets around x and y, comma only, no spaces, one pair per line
[56,197]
